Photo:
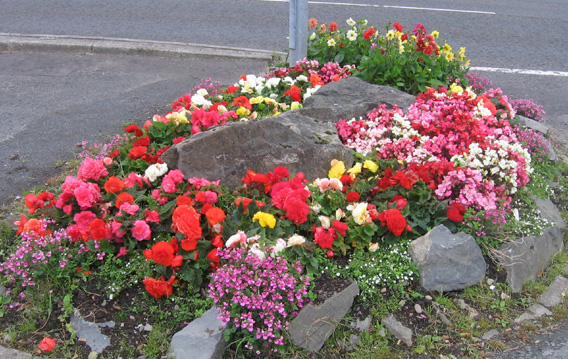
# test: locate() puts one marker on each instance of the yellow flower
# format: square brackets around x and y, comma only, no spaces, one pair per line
[356,169]
[295,105]
[243,111]
[264,219]
[455,88]
[371,166]
[435,33]
[450,56]
[256,100]
[391,34]
[446,48]
[269,101]
[461,54]
[337,169]
[178,117]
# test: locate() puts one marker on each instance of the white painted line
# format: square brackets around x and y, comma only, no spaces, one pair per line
[390,6]
[520,71]
[435,9]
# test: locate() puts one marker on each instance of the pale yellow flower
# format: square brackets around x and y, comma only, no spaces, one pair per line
[455,88]
[356,169]
[360,213]
[295,105]
[256,100]
[435,33]
[242,111]
[264,219]
[331,42]
[446,48]
[371,166]
[450,56]
[391,34]
[373,247]
[337,169]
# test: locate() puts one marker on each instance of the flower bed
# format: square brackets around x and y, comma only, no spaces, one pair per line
[452,158]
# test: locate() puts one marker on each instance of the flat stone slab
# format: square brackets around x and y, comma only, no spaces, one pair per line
[7,353]
[315,324]
[398,330]
[90,332]
[203,338]
[555,292]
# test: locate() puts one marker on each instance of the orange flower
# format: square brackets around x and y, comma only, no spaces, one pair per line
[97,229]
[159,287]
[114,184]
[215,216]
[186,220]
[313,23]
[122,198]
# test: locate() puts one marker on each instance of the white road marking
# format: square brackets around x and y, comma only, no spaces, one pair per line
[520,71]
[391,6]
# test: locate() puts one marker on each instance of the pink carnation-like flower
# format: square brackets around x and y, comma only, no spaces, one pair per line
[141,230]
[91,169]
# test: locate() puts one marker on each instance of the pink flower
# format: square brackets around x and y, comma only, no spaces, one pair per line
[141,230]
[91,169]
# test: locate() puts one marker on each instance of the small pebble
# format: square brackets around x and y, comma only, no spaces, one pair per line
[428,297]
[417,308]
[490,281]
[384,290]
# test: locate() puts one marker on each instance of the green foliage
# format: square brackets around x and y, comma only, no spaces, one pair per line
[409,61]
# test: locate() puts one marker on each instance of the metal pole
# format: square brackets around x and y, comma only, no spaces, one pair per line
[298,42]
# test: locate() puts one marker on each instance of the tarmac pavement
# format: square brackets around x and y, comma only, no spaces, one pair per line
[57,92]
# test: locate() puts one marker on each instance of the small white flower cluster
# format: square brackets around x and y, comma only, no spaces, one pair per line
[155,170]
[495,161]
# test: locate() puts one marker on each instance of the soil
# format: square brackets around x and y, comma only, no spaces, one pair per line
[129,335]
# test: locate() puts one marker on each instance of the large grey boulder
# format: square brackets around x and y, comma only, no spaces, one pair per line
[303,140]
[447,261]
[203,338]
[299,143]
[315,324]
[524,258]
[352,98]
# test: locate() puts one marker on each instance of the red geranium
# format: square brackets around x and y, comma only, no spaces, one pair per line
[122,198]
[353,196]
[187,221]
[394,220]
[242,101]
[47,344]
[114,184]
[332,26]
[294,93]
[159,287]
[324,238]
[368,33]
[133,129]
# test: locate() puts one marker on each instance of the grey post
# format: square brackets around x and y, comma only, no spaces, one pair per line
[298,30]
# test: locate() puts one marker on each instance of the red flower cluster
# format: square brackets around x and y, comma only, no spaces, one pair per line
[394,220]
[165,253]
[159,287]
[291,197]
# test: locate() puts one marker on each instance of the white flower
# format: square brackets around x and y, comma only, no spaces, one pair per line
[352,35]
[325,222]
[272,82]
[316,208]
[313,36]
[359,212]
[278,247]
[202,92]
[331,42]
[257,251]
[302,78]
[156,170]
[350,22]
[199,100]
[296,240]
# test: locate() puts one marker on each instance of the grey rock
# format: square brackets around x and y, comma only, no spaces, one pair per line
[440,313]
[315,324]
[352,98]
[90,332]
[555,292]
[362,325]
[297,142]
[490,335]
[538,310]
[447,261]
[524,258]
[2,290]
[398,330]
[354,339]
[6,353]
[533,125]
[203,338]
[524,317]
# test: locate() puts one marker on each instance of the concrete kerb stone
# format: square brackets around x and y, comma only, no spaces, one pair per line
[105,45]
